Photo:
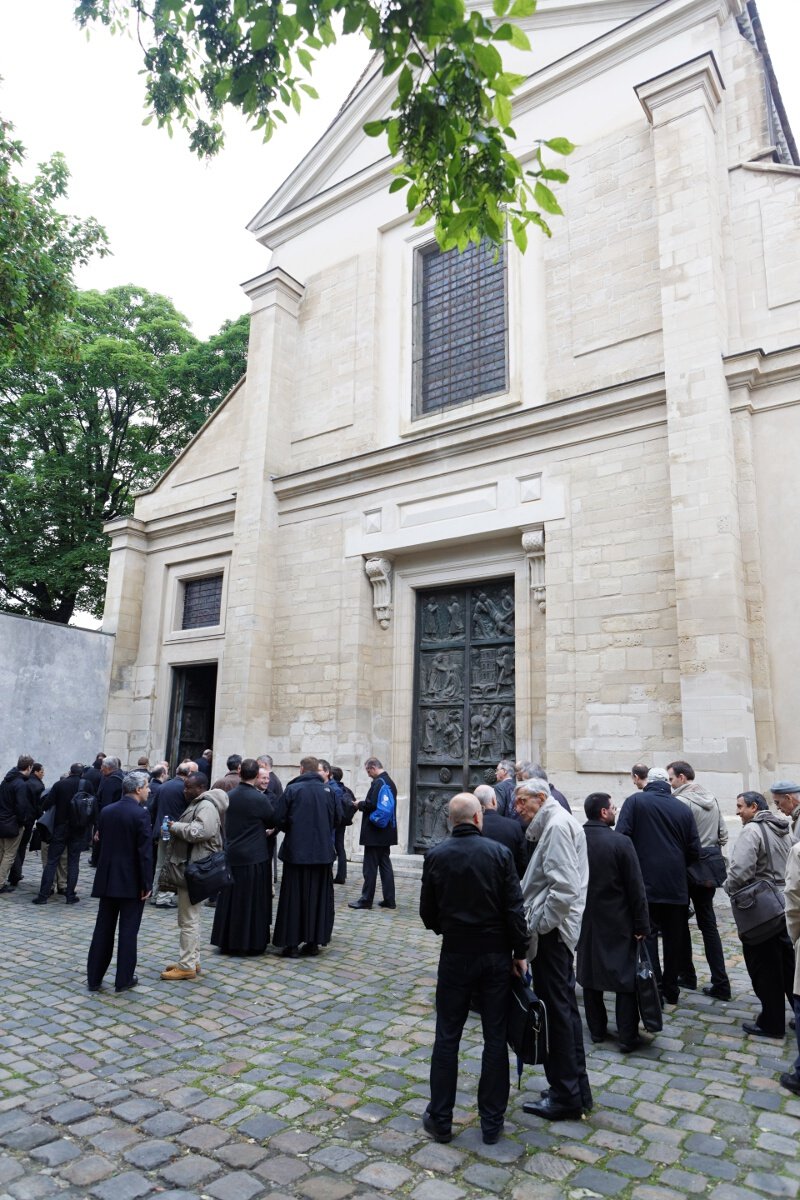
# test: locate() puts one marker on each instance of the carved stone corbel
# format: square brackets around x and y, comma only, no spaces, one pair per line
[379,573]
[533,545]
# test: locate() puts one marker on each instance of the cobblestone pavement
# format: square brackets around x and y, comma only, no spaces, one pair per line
[306,1079]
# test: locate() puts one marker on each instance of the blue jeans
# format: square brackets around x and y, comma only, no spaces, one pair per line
[488,977]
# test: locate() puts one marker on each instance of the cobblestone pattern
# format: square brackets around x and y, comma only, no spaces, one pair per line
[271,1078]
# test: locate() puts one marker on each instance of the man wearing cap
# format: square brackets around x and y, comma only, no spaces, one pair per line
[787,800]
[664,836]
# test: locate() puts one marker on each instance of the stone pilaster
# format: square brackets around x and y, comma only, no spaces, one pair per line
[122,617]
[684,109]
[243,715]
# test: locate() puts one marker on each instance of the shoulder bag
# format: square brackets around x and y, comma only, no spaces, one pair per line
[526,1028]
[758,907]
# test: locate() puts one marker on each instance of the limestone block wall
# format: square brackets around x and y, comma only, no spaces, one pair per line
[54,684]
[765,230]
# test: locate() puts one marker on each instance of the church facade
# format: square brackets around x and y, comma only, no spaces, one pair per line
[471,507]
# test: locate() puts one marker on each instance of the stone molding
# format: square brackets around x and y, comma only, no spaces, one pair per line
[275,288]
[379,572]
[533,545]
[661,96]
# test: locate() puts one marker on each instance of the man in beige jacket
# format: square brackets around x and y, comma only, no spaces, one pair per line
[791,1079]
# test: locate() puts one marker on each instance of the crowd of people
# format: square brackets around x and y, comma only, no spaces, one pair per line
[520,884]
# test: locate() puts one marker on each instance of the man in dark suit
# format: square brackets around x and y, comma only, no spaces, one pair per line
[109,791]
[504,830]
[65,836]
[121,882]
[376,841]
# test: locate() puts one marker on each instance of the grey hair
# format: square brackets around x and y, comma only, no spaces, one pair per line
[533,787]
[506,765]
[485,794]
[114,763]
[265,760]
[531,770]
[133,781]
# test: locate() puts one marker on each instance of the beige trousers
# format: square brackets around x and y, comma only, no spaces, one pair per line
[8,852]
[189,926]
[61,869]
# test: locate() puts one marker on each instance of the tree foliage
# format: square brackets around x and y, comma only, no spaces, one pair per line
[40,247]
[98,419]
[450,122]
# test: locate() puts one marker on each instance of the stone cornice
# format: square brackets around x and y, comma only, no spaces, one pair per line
[569,414]
[128,530]
[754,371]
[667,95]
[275,287]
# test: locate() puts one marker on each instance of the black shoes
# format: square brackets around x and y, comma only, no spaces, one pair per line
[438,1135]
[791,1083]
[386,904]
[629,1047]
[40,899]
[311,949]
[290,952]
[357,904]
[586,1105]
[689,982]
[717,992]
[597,1037]
[73,900]
[340,881]
[7,887]
[491,1136]
[551,1110]
[757,1031]
[126,987]
[99,988]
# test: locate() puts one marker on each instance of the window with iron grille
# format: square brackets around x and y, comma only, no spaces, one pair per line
[202,602]
[460,327]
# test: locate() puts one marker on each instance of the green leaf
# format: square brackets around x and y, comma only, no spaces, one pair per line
[520,235]
[560,145]
[545,198]
[502,111]
[554,174]
[519,38]
[259,35]
[504,32]
[488,59]
[405,83]
[523,8]
[310,91]
[190,21]
[374,128]
[397,185]
[500,7]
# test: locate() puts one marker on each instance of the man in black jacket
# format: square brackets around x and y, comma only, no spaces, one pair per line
[504,830]
[471,896]
[121,882]
[504,788]
[109,791]
[664,836]
[66,836]
[15,812]
[376,840]
[35,790]
[614,919]
[306,812]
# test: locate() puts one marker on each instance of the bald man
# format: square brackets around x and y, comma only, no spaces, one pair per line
[471,896]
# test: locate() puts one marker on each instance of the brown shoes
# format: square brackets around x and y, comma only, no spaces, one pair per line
[178,967]
[176,972]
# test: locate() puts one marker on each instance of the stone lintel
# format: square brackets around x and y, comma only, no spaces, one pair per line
[126,533]
[275,287]
[678,91]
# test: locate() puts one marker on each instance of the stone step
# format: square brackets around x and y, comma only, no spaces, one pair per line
[406,866]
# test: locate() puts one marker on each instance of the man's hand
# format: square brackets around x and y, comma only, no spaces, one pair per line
[145,895]
[520,967]
[640,936]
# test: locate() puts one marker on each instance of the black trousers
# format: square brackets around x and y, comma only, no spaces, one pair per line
[109,912]
[554,983]
[670,920]
[341,857]
[488,976]
[627,1013]
[770,966]
[702,899]
[377,858]
[59,842]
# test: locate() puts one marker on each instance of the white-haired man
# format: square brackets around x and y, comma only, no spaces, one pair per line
[554,892]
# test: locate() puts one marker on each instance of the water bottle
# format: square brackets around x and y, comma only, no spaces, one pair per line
[165,835]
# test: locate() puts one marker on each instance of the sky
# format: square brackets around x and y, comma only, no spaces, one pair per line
[177,225]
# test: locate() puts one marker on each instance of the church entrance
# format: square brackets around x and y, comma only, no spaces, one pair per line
[463,698]
[191,722]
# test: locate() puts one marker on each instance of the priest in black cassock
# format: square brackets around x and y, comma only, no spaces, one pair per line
[308,813]
[244,912]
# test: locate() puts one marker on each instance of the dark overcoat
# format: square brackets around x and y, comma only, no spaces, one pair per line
[616,910]
[109,790]
[307,812]
[508,832]
[664,835]
[372,834]
[249,815]
[125,856]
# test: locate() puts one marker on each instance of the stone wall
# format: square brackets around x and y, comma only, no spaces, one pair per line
[54,686]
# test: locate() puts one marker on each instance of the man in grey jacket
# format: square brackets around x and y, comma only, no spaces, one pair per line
[787,801]
[712,831]
[554,893]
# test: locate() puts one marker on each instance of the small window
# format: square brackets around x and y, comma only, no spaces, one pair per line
[460,327]
[202,602]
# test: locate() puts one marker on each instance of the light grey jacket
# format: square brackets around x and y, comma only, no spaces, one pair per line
[749,859]
[792,895]
[711,827]
[554,885]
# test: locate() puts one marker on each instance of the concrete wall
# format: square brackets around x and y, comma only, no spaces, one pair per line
[54,690]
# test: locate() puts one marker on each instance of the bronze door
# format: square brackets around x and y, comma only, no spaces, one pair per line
[463,697]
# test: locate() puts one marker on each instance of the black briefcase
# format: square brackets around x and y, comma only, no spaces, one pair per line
[647,996]
[526,1030]
[207,876]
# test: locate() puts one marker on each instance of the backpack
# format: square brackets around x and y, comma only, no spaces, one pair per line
[82,811]
[383,814]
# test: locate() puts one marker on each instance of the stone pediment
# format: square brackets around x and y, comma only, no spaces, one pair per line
[345,163]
